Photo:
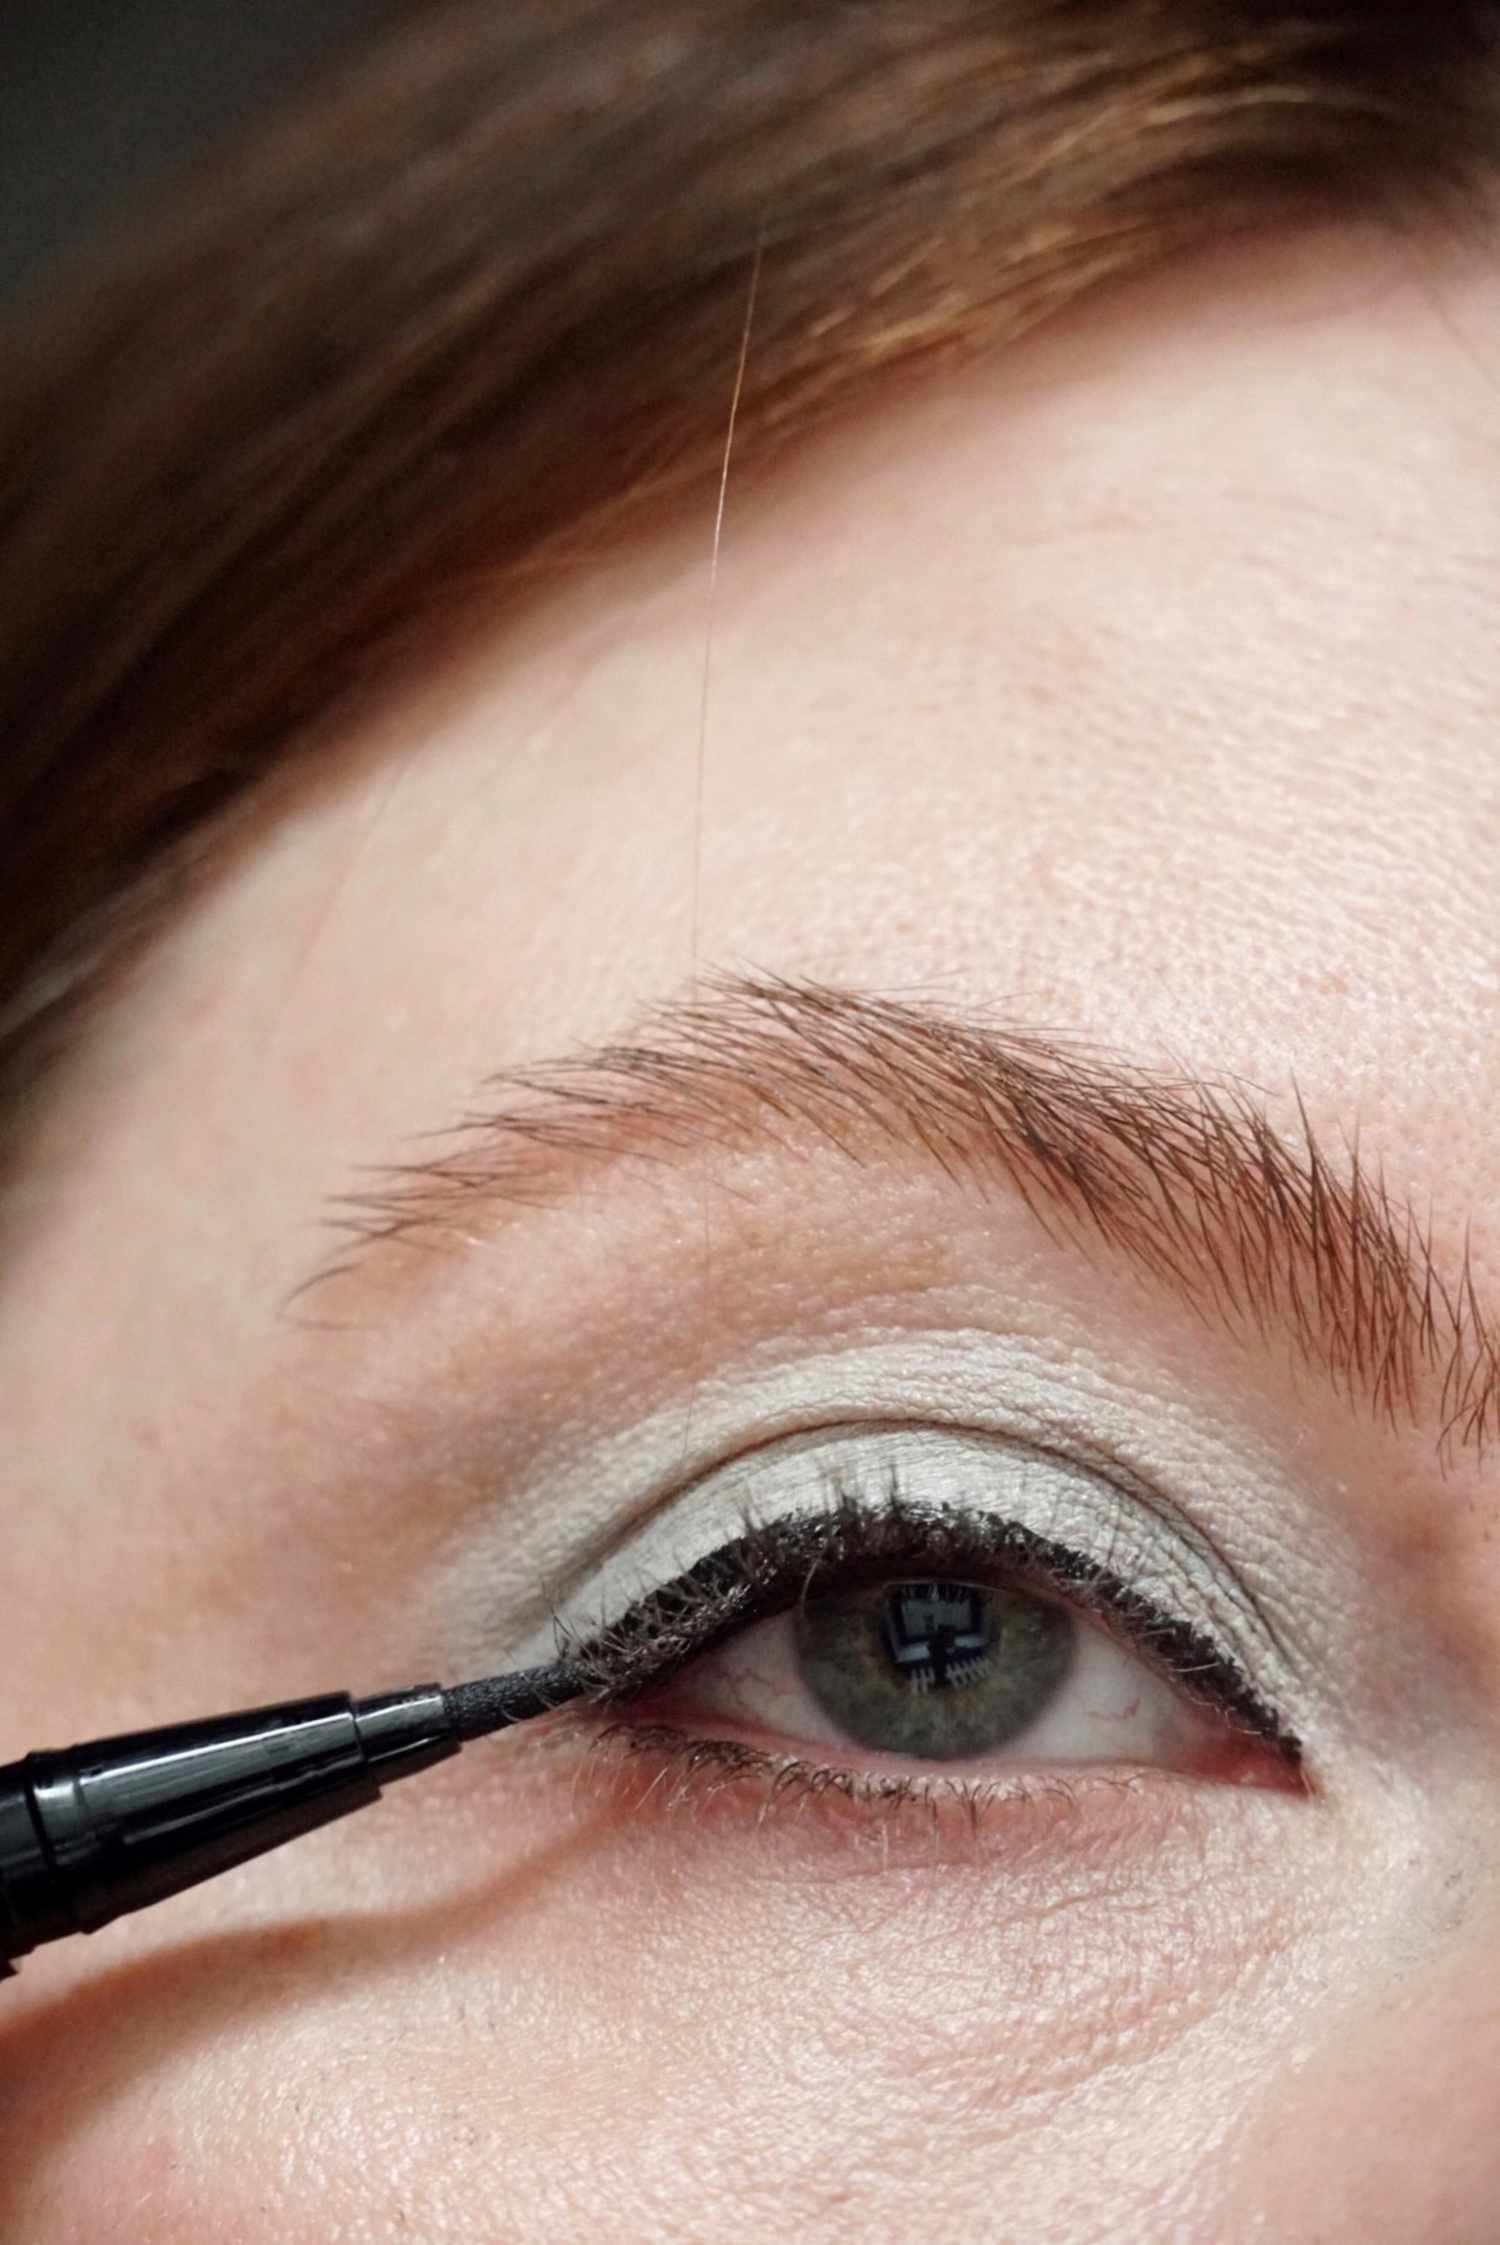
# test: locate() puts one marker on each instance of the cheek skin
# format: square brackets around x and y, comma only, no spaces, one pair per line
[917,2018]
[1405,2087]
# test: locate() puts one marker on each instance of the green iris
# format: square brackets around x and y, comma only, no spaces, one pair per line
[940,1670]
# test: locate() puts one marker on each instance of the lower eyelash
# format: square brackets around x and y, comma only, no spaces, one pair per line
[679,1771]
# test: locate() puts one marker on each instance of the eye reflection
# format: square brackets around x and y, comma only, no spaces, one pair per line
[943,1670]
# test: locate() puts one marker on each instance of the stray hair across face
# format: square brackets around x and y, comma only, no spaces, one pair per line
[479,302]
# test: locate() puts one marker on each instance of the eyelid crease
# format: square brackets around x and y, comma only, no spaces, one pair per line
[1184,1177]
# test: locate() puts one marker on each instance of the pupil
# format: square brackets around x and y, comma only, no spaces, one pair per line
[936,1633]
[935,1669]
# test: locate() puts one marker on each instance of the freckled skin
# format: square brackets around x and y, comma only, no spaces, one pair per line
[1146,680]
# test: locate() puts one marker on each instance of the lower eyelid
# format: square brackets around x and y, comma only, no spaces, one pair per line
[722,1791]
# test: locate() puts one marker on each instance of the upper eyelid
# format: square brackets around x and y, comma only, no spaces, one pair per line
[1109,1528]
[807,1459]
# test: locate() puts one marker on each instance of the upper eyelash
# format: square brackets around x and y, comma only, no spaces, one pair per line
[772,1564]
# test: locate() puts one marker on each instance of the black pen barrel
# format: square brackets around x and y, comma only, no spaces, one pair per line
[98,1830]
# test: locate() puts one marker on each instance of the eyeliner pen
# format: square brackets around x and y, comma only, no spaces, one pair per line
[93,1832]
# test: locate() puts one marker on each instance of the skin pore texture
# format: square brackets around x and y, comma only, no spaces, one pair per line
[1142,684]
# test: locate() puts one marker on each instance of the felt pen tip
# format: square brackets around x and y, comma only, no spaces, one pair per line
[494,1702]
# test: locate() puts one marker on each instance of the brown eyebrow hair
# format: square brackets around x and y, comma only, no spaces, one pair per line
[476,305]
[1184,1177]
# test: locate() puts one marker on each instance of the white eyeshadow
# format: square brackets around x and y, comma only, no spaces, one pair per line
[568,1536]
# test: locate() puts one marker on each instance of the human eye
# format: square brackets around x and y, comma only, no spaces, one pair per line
[905,1614]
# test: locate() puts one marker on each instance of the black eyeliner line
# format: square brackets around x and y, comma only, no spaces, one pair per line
[769,1567]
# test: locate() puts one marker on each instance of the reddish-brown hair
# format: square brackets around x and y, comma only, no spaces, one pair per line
[482,298]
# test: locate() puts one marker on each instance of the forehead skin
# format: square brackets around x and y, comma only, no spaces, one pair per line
[1146,680]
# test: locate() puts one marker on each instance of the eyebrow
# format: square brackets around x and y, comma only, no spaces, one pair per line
[1181,1175]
